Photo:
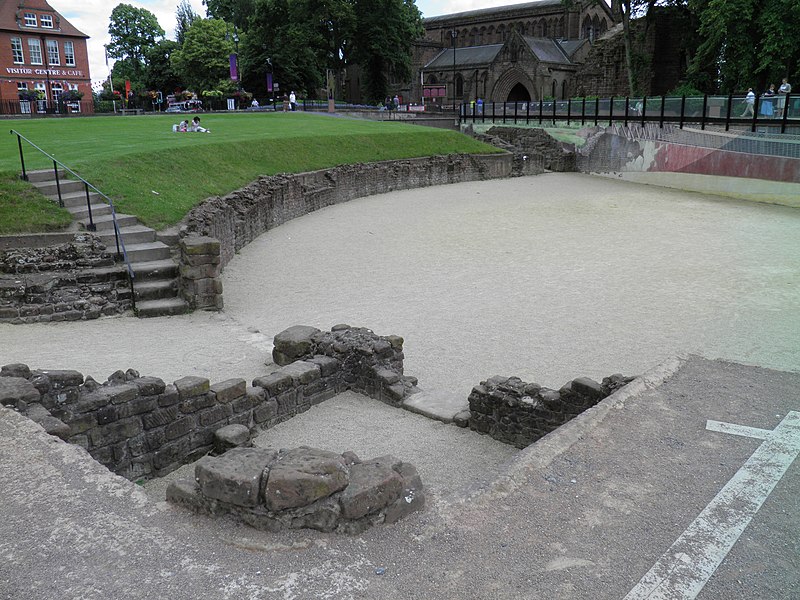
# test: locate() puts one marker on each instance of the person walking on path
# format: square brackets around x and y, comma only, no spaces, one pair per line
[293,101]
[783,91]
[749,103]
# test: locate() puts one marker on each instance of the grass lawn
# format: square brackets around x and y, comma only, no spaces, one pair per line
[24,210]
[159,175]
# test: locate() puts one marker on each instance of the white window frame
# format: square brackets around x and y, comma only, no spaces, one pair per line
[34,50]
[30,20]
[17,51]
[56,89]
[69,53]
[46,21]
[52,52]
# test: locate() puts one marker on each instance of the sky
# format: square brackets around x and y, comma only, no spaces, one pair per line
[92,17]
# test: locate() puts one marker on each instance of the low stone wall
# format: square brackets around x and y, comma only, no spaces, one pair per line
[301,488]
[534,150]
[67,282]
[519,413]
[240,217]
[141,427]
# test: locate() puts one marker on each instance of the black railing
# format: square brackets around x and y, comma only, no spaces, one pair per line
[122,253]
[37,108]
[772,111]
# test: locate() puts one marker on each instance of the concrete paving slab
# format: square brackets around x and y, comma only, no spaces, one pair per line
[583,514]
[441,407]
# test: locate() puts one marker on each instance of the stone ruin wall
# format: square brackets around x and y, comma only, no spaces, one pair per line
[67,282]
[141,427]
[240,217]
[519,413]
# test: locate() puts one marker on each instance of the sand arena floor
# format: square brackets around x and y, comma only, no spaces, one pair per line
[547,278]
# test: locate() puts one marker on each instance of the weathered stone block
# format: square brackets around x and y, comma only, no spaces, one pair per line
[588,387]
[15,370]
[234,477]
[274,383]
[203,287]
[327,364]
[179,428]
[196,244]
[231,436]
[194,260]
[302,476]
[191,386]
[197,403]
[169,397]
[157,418]
[115,432]
[63,378]
[171,453]
[215,414]
[17,392]
[149,386]
[200,271]
[302,372]
[266,411]
[228,390]
[292,343]
[373,485]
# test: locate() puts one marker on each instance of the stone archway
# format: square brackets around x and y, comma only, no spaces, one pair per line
[513,79]
[518,94]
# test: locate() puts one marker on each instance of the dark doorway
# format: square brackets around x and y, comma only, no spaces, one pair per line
[518,94]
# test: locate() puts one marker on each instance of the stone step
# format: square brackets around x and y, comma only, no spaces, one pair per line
[38,175]
[82,212]
[134,234]
[49,188]
[104,222]
[78,198]
[163,307]
[156,269]
[147,252]
[157,289]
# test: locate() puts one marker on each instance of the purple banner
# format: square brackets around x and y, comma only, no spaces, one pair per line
[234,70]
[269,82]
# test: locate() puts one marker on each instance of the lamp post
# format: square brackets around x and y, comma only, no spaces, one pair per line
[453,36]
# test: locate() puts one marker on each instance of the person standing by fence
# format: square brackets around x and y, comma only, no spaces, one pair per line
[783,91]
[767,108]
[749,103]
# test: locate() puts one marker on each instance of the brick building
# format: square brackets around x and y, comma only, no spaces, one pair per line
[42,57]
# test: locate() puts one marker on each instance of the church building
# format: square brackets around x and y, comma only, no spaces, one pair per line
[524,52]
[42,59]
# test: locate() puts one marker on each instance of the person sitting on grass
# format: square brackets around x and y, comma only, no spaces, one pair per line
[184,126]
[196,126]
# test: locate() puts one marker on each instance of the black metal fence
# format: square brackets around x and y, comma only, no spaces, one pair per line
[36,108]
[775,111]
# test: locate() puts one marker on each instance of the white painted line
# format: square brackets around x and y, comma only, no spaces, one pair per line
[742,430]
[686,567]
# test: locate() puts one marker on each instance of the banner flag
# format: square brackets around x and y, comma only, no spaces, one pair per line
[234,70]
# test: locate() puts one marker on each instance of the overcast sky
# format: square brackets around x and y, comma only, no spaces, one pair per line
[91,17]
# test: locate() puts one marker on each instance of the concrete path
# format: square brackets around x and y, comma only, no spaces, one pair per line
[583,514]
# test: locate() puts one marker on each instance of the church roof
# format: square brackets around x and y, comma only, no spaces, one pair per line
[515,8]
[469,56]
[547,50]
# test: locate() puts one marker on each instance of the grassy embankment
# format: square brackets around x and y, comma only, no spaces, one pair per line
[159,175]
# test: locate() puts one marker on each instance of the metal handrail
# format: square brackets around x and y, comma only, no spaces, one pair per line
[121,250]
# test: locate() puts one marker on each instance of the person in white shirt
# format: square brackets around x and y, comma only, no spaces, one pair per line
[750,101]
[293,101]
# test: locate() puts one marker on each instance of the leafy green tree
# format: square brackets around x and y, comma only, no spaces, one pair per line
[236,12]
[202,61]
[132,30]
[746,43]
[184,16]
[385,30]
[159,73]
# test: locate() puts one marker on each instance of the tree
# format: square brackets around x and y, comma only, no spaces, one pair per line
[160,73]
[133,31]
[202,60]
[385,30]
[746,43]
[236,12]
[185,16]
